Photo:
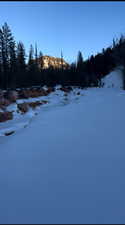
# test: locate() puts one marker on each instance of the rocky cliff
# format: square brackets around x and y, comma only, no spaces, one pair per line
[48,61]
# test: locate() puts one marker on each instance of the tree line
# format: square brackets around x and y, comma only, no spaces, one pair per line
[15,71]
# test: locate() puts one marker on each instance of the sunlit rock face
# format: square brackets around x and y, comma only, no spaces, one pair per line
[49,61]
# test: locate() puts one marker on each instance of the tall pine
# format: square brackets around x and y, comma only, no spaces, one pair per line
[21,64]
[6,43]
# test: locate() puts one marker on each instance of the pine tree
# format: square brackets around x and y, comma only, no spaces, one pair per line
[36,67]
[31,66]
[21,56]
[41,60]
[13,65]
[21,64]
[6,43]
[36,57]
[1,59]
[61,60]
[31,59]
[13,59]
[79,61]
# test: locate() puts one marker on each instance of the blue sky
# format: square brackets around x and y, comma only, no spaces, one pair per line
[70,26]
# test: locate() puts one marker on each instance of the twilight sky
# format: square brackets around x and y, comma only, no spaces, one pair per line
[70,26]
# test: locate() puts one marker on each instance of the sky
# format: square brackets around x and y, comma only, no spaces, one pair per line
[68,26]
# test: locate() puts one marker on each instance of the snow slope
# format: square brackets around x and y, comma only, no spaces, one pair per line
[114,79]
[68,165]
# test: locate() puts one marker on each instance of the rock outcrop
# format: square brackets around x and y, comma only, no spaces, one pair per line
[49,61]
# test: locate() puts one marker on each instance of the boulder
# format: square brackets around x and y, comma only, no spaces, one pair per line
[4,116]
[23,107]
[12,96]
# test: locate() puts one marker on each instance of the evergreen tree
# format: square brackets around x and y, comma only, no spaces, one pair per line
[21,56]
[36,57]
[13,65]
[61,60]
[31,67]
[1,59]
[21,64]
[79,61]
[41,60]
[6,43]
[31,59]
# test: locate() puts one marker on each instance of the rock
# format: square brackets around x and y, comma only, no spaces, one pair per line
[12,96]
[64,89]
[34,104]
[23,107]
[70,88]
[4,116]
[37,103]
[23,94]
[48,61]
[9,133]
[4,102]
[49,90]
[44,102]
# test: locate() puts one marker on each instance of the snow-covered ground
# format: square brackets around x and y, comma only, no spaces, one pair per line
[68,164]
[114,79]
[19,121]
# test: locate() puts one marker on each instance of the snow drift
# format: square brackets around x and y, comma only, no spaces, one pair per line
[114,79]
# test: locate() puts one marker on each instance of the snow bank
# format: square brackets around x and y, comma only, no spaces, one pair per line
[113,79]
[55,99]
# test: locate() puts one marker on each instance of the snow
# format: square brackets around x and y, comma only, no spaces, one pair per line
[68,164]
[114,79]
[20,121]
